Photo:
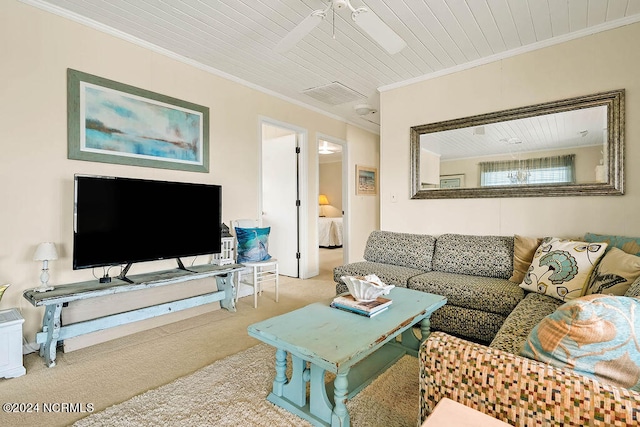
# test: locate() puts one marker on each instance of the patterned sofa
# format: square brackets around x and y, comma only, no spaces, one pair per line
[523,392]
[486,308]
[518,390]
[471,271]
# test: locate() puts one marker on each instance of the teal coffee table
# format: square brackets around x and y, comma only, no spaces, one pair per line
[355,348]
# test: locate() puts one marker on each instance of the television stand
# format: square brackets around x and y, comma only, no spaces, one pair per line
[123,274]
[55,300]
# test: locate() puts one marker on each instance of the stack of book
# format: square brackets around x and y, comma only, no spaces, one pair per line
[370,308]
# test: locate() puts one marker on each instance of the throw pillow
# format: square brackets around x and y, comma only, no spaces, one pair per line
[560,268]
[523,250]
[253,244]
[630,245]
[634,289]
[614,273]
[594,335]
[2,289]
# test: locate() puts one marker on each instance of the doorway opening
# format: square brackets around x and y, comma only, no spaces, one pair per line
[332,204]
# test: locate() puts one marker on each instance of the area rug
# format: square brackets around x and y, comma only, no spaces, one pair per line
[232,392]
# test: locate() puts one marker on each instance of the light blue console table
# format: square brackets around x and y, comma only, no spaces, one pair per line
[355,348]
[55,300]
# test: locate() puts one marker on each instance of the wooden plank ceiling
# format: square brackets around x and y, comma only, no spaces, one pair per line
[235,38]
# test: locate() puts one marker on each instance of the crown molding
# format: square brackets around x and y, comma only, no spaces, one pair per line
[515,52]
[64,13]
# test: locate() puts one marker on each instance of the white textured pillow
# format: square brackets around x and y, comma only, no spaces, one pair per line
[561,268]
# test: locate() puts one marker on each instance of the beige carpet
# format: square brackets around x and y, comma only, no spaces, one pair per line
[232,391]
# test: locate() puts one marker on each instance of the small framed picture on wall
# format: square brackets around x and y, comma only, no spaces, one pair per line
[366,181]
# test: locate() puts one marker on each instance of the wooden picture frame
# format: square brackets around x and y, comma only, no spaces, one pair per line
[112,122]
[366,181]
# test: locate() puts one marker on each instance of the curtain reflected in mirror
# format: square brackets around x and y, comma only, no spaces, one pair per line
[541,170]
[568,147]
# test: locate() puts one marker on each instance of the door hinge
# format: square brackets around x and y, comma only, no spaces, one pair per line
[297,150]
[298,203]
[297,255]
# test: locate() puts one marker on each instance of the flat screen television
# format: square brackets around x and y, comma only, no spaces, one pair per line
[120,221]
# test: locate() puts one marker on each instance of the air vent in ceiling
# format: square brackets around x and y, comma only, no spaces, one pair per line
[334,93]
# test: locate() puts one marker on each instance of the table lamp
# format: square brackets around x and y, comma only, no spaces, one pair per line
[45,252]
[322,201]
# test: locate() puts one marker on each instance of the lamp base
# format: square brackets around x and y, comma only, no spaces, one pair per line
[43,288]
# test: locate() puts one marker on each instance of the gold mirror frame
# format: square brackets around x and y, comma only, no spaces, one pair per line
[613,100]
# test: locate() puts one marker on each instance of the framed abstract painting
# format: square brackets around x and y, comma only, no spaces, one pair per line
[112,122]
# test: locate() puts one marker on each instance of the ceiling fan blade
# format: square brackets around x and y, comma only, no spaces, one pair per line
[380,32]
[301,30]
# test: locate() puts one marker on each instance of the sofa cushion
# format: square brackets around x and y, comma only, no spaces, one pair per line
[488,256]
[475,325]
[479,293]
[595,335]
[615,272]
[389,274]
[561,268]
[523,250]
[401,249]
[519,323]
[630,245]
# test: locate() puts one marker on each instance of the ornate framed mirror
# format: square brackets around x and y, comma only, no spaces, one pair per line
[572,147]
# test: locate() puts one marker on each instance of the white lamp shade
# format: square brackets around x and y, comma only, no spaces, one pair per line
[46,252]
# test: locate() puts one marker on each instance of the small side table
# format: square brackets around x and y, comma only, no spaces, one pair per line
[11,365]
[453,414]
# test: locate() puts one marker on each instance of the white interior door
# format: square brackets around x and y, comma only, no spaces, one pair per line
[280,196]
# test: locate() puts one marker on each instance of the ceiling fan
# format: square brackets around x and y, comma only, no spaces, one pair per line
[362,16]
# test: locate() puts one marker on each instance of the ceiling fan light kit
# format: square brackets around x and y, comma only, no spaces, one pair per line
[364,18]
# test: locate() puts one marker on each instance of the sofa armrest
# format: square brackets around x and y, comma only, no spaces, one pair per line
[517,390]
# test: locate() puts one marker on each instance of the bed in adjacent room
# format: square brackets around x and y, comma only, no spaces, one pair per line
[330,232]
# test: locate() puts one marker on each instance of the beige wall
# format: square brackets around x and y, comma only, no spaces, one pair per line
[36,178]
[363,211]
[601,62]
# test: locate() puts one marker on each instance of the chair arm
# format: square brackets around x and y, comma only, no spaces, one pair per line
[517,390]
